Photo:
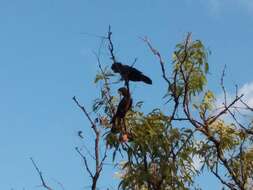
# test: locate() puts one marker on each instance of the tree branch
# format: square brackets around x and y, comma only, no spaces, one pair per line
[44,184]
[158,55]
[85,162]
[98,163]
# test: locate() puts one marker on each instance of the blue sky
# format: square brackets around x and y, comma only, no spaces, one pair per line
[46,58]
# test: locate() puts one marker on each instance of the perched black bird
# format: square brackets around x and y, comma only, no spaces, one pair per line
[130,73]
[124,105]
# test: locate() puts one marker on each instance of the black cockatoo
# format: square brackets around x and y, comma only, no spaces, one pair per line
[124,105]
[129,73]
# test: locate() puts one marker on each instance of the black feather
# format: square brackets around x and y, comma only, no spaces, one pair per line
[130,73]
[124,105]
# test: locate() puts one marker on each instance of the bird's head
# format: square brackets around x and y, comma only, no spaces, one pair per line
[116,67]
[123,91]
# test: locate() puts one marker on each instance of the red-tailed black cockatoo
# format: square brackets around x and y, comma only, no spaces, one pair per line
[129,73]
[124,105]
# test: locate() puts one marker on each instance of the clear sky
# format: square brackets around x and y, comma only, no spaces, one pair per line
[46,58]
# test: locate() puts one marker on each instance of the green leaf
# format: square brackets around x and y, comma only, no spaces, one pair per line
[206,67]
[98,78]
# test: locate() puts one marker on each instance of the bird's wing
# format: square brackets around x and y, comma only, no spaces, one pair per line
[121,108]
[132,69]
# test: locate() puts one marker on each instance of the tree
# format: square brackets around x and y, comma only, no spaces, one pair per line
[159,148]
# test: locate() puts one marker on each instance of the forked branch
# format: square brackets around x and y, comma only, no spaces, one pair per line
[44,184]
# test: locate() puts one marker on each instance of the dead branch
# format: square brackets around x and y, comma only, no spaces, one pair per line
[158,55]
[230,186]
[110,46]
[213,119]
[85,162]
[98,163]
[44,184]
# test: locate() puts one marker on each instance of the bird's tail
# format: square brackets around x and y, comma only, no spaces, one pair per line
[115,128]
[113,119]
[146,79]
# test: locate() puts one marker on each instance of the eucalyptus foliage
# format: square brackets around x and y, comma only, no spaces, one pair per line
[160,149]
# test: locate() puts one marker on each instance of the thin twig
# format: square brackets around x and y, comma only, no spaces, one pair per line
[222,85]
[107,89]
[223,181]
[85,162]
[213,119]
[44,184]
[93,126]
[98,163]
[158,55]
[110,46]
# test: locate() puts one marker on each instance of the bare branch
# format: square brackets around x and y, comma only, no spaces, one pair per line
[93,126]
[110,46]
[157,53]
[44,184]
[230,186]
[213,119]
[246,105]
[240,125]
[85,162]
[98,163]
